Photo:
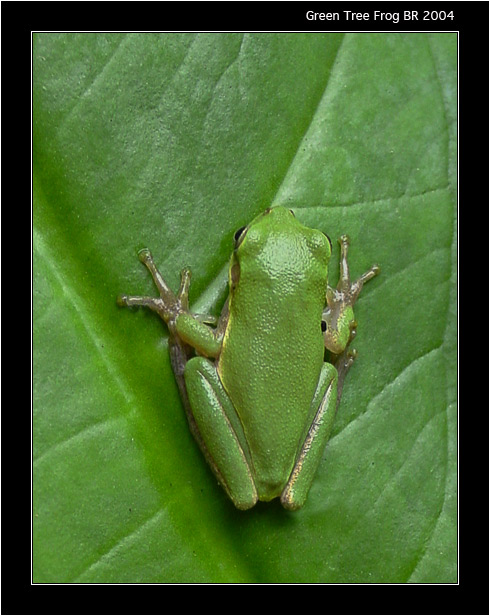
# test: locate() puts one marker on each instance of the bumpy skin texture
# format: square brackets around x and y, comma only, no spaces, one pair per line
[279,324]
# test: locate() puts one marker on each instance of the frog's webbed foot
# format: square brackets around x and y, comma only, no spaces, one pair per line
[338,322]
[169,305]
[347,292]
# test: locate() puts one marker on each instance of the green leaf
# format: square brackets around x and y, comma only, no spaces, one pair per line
[172,142]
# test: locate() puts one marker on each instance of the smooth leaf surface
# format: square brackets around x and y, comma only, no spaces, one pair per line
[172,142]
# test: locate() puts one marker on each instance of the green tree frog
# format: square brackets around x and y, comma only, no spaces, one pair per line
[259,395]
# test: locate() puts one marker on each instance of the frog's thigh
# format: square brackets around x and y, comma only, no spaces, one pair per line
[325,402]
[212,408]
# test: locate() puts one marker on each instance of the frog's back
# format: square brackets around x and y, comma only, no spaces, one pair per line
[273,346]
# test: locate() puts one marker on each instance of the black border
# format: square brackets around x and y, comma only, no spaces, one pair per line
[470,595]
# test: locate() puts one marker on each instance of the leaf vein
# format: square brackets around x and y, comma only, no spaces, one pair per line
[97,77]
[121,542]
[387,199]
[420,358]
[443,99]
[73,437]
[308,125]
[82,313]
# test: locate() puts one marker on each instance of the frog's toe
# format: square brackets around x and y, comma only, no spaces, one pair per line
[144,255]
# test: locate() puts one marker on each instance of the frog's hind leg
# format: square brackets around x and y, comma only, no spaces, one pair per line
[324,406]
[220,432]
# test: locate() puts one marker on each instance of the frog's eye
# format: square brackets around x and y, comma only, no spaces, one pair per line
[329,240]
[238,235]
[324,326]
[293,213]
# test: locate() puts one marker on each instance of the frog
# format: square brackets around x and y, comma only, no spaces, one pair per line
[261,384]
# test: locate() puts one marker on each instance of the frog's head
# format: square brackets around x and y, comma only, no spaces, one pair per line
[273,219]
[275,245]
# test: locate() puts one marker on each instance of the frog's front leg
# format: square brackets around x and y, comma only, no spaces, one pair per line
[188,333]
[338,321]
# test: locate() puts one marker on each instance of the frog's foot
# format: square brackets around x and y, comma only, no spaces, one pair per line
[347,289]
[338,323]
[169,305]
